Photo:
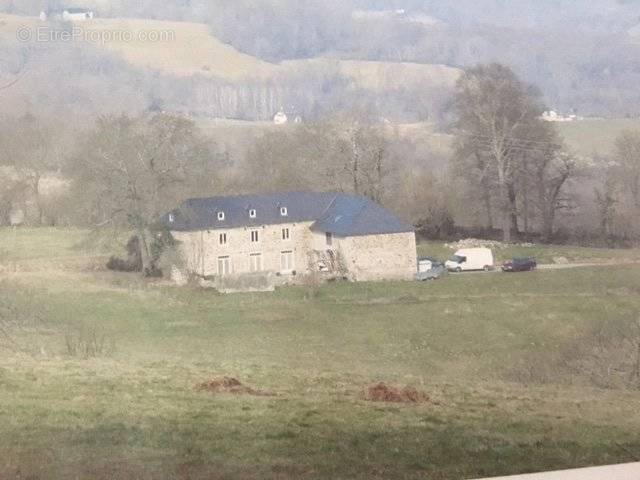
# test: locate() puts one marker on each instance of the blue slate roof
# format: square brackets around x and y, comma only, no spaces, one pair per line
[351,215]
[338,213]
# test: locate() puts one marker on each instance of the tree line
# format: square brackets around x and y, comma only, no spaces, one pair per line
[508,170]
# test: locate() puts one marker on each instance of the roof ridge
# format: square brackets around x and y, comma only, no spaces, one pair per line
[324,212]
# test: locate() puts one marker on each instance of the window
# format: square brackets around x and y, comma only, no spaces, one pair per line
[255,236]
[286,262]
[283,211]
[329,237]
[286,235]
[224,266]
[255,262]
[220,216]
[172,218]
[252,213]
[223,239]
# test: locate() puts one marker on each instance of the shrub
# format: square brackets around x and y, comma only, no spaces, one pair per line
[606,355]
[18,314]
[438,224]
[88,342]
[133,262]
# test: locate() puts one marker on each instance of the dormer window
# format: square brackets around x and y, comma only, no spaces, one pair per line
[220,216]
[283,211]
[172,218]
[252,213]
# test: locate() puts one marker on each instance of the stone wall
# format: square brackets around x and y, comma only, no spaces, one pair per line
[201,250]
[367,258]
[381,257]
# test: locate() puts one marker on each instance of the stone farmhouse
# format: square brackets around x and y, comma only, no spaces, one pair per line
[291,235]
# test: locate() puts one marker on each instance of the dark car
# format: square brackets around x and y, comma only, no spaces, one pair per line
[520,265]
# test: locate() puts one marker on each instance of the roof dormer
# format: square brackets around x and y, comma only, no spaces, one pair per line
[220,216]
[253,213]
[283,211]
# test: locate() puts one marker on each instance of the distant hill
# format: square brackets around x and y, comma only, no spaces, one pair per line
[182,49]
[187,48]
[196,51]
[381,76]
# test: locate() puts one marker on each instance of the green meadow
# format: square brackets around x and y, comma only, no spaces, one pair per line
[130,409]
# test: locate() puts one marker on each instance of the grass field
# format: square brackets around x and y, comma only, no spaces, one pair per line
[589,137]
[133,412]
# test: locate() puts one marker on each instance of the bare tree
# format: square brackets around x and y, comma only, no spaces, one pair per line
[364,153]
[13,191]
[552,173]
[544,172]
[292,158]
[495,111]
[132,170]
[627,164]
[472,165]
[342,154]
[31,148]
[606,202]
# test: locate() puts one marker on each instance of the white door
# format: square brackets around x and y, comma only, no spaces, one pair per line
[255,262]
[224,266]
[286,262]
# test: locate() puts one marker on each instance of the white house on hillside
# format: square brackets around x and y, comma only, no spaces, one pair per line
[286,116]
[71,14]
[77,14]
[553,116]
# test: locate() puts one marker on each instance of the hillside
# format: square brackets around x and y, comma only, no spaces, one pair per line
[196,51]
[383,76]
[186,48]
[188,51]
[182,49]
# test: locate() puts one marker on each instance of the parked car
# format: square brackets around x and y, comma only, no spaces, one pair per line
[520,265]
[430,268]
[470,259]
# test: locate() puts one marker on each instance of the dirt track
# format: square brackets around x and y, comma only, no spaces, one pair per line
[560,266]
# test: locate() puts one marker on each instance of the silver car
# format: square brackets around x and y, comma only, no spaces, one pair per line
[430,268]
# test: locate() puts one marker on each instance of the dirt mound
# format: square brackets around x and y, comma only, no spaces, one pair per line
[228,385]
[382,392]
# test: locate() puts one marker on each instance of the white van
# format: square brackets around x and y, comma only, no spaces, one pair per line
[469,259]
